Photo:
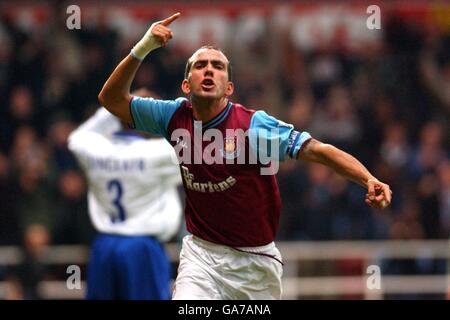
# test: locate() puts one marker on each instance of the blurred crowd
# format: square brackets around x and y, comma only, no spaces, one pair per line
[388,106]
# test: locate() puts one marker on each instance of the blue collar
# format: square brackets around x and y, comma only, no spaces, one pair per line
[219,118]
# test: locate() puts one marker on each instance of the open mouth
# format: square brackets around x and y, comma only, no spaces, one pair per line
[207,84]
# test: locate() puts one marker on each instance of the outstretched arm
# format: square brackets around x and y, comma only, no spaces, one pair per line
[115,95]
[379,194]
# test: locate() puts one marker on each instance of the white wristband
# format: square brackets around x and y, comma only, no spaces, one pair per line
[147,44]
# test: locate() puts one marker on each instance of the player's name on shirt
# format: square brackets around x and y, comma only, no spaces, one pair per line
[113,165]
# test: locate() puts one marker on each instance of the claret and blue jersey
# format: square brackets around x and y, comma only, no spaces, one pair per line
[228,202]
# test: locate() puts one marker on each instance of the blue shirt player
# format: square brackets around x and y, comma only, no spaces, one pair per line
[133,204]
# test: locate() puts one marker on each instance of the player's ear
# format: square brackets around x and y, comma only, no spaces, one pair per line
[230,88]
[186,87]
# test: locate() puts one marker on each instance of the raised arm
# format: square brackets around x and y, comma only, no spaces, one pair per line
[115,95]
[92,136]
[378,195]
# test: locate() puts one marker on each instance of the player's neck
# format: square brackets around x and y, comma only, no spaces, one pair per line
[204,109]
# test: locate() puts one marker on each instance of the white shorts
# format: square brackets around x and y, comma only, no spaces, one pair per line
[211,271]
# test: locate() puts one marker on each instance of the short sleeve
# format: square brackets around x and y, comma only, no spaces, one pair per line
[153,115]
[274,138]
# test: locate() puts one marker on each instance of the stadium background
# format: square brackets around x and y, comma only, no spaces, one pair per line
[382,95]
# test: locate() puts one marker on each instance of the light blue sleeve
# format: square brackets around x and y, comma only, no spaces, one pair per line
[153,115]
[268,131]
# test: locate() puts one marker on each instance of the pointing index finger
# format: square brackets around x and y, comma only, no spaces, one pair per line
[170,19]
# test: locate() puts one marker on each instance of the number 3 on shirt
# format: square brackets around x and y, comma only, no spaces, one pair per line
[115,188]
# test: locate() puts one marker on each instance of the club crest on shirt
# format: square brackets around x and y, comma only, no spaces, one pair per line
[230,148]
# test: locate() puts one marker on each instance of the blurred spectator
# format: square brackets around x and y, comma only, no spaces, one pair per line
[293,221]
[407,226]
[62,159]
[8,213]
[300,111]
[435,73]
[428,197]
[34,193]
[13,289]
[444,198]
[338,110]
[24,279]
[72,225]
[430,151]
[21,111]
[395,149]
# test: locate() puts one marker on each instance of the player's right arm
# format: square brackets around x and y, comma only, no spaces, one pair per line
[115,95]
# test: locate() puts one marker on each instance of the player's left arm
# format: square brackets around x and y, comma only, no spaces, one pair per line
[379,194]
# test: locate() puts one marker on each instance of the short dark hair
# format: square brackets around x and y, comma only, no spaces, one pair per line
[189,62]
